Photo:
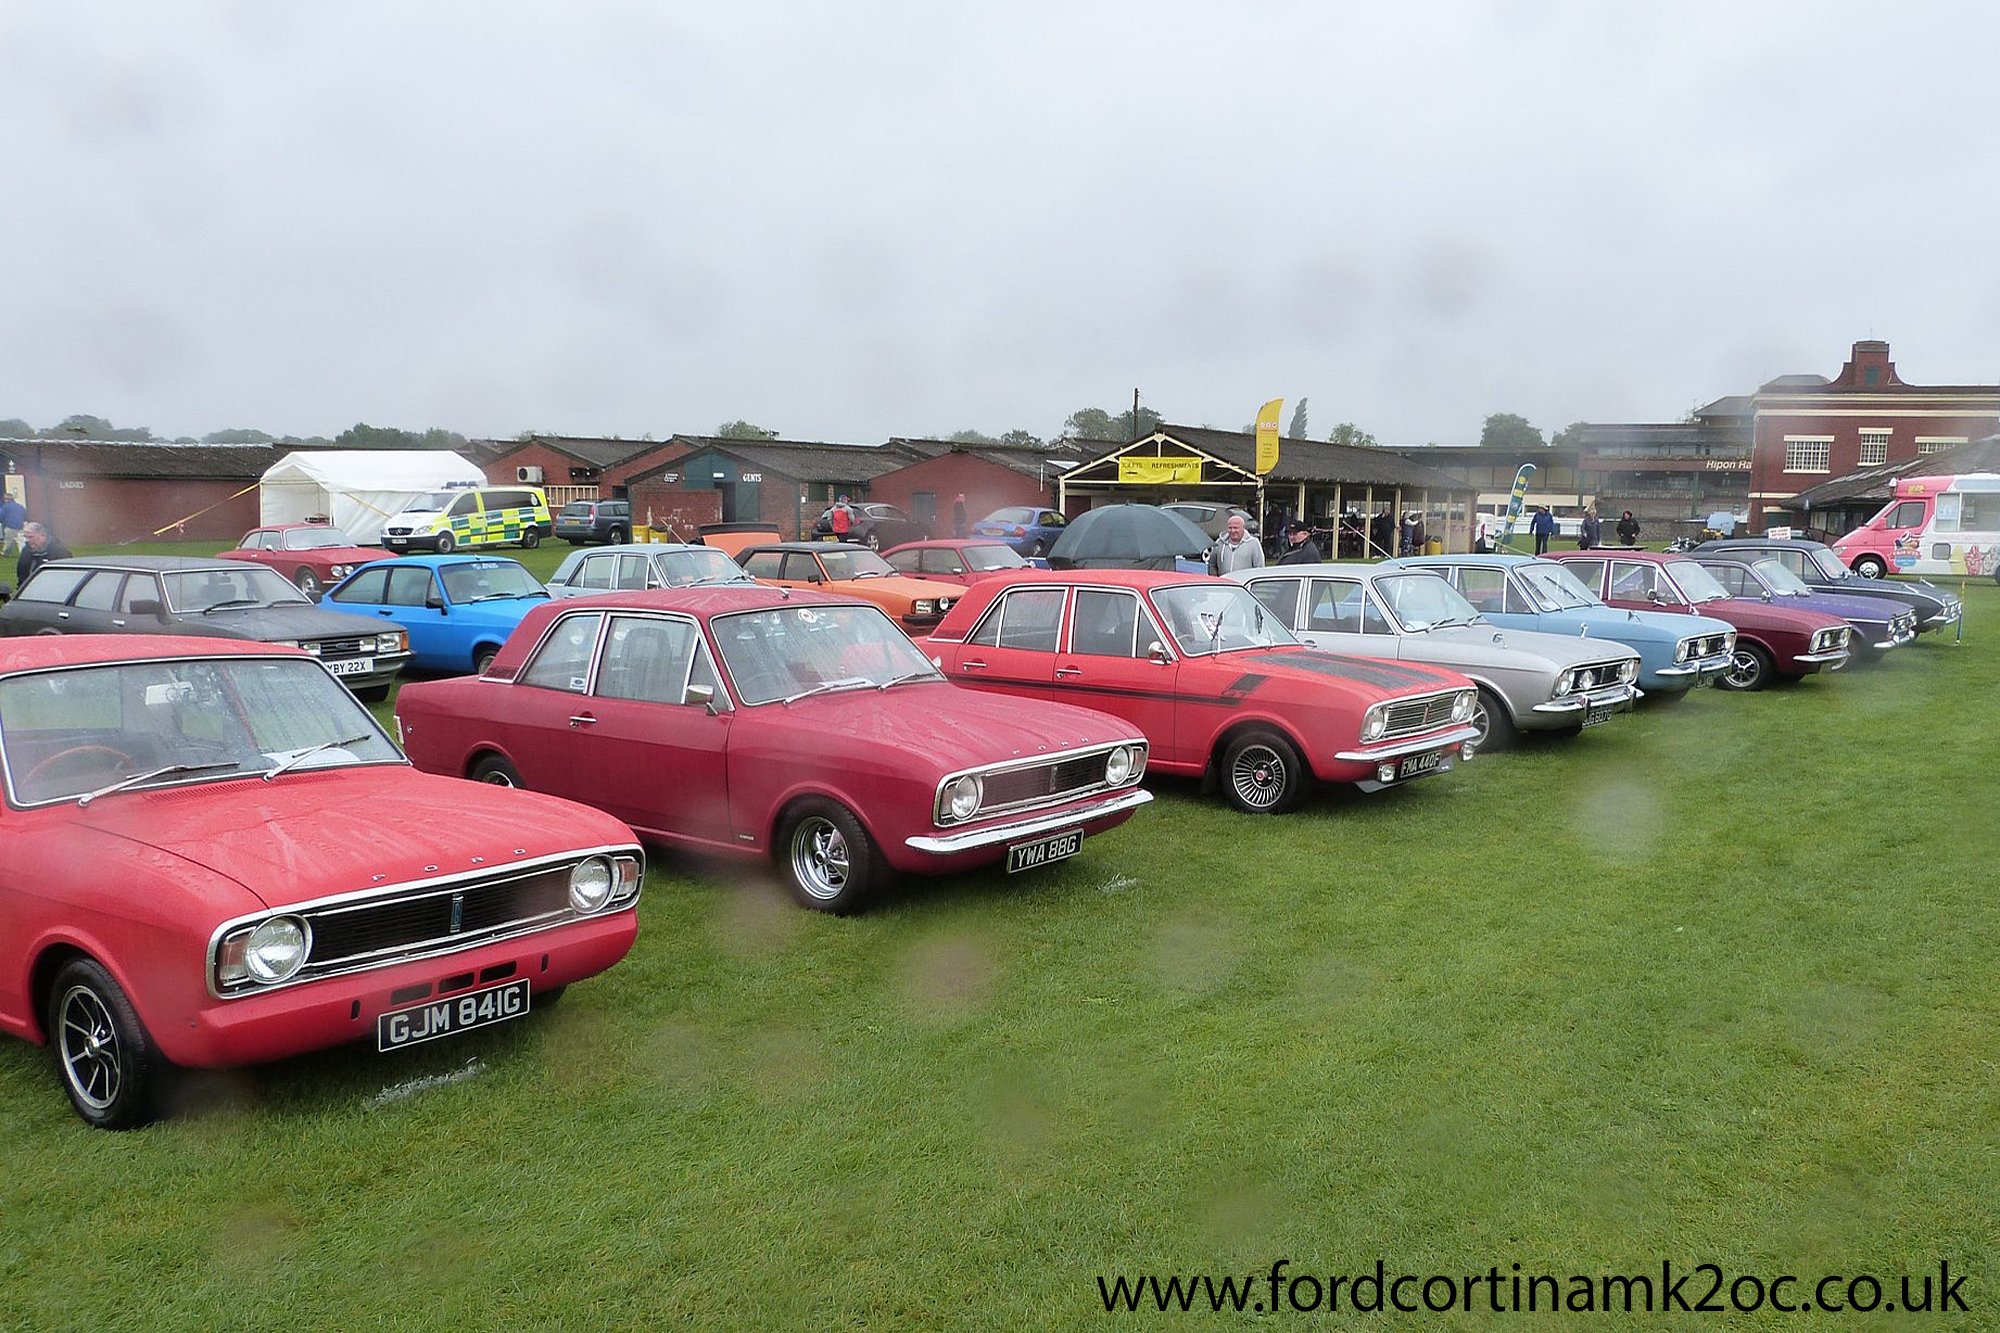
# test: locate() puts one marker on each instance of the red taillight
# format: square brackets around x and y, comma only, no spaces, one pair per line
[1020,531]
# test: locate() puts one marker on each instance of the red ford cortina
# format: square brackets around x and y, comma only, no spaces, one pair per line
[214,857]
[312,555]
[1216,683]
[772,723]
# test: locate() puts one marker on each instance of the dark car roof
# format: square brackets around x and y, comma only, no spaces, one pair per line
[1753,543]
[156,563]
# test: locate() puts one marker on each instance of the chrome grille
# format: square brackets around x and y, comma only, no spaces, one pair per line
[1021,785]
[334,647]
[1409,716]
[1707,646]
[1595,675]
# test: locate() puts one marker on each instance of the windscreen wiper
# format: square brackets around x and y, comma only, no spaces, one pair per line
[165,771]
[310,751]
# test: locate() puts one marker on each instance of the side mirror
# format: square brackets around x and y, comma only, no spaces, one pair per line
[435,602]
[1653,595]
[148,606]
[703,695]
[1157,652]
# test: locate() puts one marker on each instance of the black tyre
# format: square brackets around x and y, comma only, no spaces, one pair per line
[373,694]
[307,582]
[496,771]
[445,543]
[113,1073]
[1749,669]
[1263,773]
[1037,548]
[482,658]
[531,539]
[1870,567]
[617,536]
[1495,724]
[828,860]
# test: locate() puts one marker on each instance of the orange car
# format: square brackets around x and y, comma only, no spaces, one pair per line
[917,604]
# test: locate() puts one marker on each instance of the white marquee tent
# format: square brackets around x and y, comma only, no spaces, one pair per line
[358,489]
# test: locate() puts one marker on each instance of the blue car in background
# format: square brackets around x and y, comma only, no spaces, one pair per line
[458,609]
[1676,651]
[1029,531]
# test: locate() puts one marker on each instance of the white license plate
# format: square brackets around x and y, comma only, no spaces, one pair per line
[1042,851]
[351,666]
[1415,765]
[451,1015]
[1593,716]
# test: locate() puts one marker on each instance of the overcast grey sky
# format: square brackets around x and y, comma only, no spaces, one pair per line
[846,221]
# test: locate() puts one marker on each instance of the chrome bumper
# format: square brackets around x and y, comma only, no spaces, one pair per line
[1836,656]
[1893,641]
[1701,668]
[1948,616]
[949,844]
[1617,697]
[1396,750]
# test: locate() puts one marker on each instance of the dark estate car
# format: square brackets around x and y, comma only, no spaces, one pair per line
[583,521]
[219,599]
[876,526]
[1821,570]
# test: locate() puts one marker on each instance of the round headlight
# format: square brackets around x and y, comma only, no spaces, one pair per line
[1683,650]
[962,797]
[1118,766]
[1565,681]
[1461,707]
[590,884]
[1374,725]
[1629,671]
[276,949]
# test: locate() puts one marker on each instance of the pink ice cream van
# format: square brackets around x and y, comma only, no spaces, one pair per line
[1931,525]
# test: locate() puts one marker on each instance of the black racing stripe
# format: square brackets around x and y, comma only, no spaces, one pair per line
[1244,685]
[1057,692]
[1363,671]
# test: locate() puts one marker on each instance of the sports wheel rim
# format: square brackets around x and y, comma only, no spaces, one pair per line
[88,1042]
[1743,670]
[819,857]
[498,777]
[1258,776]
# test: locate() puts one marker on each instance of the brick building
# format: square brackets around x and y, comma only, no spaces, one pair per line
[990,477]
[102,491]
[782,482]
[1809,429]
[574,467]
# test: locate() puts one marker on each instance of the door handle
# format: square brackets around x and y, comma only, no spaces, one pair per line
[382,611]
[970,665]
[62,615]
[583,720]
[1069,671]
[118,622]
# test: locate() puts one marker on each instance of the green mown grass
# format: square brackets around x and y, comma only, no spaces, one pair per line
[1717,983]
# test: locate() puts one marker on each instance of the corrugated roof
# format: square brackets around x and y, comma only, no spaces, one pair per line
[809,460]
[132,458]
[596,450]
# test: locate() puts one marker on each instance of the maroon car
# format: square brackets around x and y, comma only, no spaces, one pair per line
[1771,641]
[312,555]
[965,561]
[769,722]
[1216,682]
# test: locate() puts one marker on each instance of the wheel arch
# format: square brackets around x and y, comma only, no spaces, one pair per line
[1224,738]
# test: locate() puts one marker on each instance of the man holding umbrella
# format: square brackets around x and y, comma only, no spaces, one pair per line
[1234,550]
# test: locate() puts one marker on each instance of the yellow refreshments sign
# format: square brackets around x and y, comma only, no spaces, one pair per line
[1169,471]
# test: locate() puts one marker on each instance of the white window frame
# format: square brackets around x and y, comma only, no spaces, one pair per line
[1874,447]
[1799,448]
[1934,444]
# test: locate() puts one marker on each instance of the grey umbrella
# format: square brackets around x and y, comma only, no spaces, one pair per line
[1127,536]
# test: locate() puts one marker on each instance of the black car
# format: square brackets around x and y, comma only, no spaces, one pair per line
[221,599]
[1822,570]
[583,521]
[876,526]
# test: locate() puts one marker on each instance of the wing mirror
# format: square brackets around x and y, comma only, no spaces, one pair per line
[1157,652]
[703,695]
[1653,596]
[435,602]
[148,606]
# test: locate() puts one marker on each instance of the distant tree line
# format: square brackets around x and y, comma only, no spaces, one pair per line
[360,435]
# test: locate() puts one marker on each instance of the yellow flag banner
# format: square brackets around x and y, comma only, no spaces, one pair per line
[1267,435]
[1159,471]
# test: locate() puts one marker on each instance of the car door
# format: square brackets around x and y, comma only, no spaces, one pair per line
[91,607]
[1013,647]
[639,748]
[1640,585]
[42,604]
[1340,617]
[411,599]
[1107,664]
[141,609]
[539,716]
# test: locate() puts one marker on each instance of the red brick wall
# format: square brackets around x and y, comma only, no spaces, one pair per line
[621,474]
[99,510]
[987,487]
[681,513]
[1768,476]
[555,466]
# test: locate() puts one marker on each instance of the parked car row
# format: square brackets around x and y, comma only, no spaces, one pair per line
[172,734]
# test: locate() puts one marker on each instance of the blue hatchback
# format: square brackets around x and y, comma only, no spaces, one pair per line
[458,609]
[1524,592]
[1030,531]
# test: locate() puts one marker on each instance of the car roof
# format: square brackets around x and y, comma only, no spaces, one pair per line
[945,543]
[1118,578]
[1751,543]
[709,601]
[1619,553]
[439,561]
[1345,569]
[1508,558]
[154,563]
[799,546]
[38,651]
[638,548]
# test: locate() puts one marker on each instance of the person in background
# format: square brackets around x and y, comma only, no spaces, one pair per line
[1413,533]
[1382,534]
[1586,533]
[1628,528]
[1300,548]
[960,526]
[1543,527]
[37,549]
[1234,550]
[841,520]
[12,516]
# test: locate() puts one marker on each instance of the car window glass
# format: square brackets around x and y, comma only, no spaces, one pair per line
[1280,597]
[1485,588]
[1028,619]
[941,560]
[48,584]
[632,571]
[1048,518]
[1105,624]
[762,564]
[596,572]
[1590,573]
[802,567]
[1795,561]
[1731,576]
[138,588]
[409,585]
[367,586]
[904,562]
[464,504]
[265,541]
[99,591]
[563,660]
[646,659]
[1335,606]
[1908,514]
[1632,581]
[1517,601]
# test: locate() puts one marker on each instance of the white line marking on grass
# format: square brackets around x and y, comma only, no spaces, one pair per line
[398,1092]
[1117,884]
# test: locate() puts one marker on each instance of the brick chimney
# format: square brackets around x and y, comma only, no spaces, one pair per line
[1869,367]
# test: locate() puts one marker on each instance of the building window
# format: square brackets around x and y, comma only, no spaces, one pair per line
[1874,447]
[1807,453]
[1931,444]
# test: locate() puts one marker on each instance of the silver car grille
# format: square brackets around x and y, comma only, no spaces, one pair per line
[1407,717]
[1596,675]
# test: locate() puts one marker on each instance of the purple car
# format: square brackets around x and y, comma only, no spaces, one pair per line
[1879,623]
